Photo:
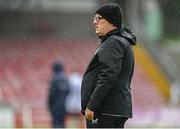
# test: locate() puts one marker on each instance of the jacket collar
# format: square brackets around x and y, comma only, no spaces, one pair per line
[112,32]
[122,31]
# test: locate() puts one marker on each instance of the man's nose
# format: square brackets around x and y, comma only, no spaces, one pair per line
[94,22]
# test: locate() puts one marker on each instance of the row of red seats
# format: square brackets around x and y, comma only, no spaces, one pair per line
[25,70]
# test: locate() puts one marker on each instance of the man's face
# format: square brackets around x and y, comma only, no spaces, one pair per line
[102,26]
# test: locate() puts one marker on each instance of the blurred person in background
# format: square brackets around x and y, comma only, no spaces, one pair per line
[58,92]
[106,92]
[73,104]
[74,98]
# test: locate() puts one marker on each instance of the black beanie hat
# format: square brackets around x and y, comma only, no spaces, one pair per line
[112,13]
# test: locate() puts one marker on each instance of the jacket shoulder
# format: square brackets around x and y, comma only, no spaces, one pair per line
[118,42]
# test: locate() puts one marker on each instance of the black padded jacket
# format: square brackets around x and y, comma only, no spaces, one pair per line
[106,82]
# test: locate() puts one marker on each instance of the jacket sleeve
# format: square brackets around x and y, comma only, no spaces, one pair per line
[110,56]
[51,95]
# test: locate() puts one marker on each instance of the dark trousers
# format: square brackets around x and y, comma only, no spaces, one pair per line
[105,121]
[58,121]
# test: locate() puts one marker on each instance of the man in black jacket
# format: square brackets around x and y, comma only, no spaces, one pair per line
[105,91]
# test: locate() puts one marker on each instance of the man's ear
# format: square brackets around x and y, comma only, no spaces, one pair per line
[113,26]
